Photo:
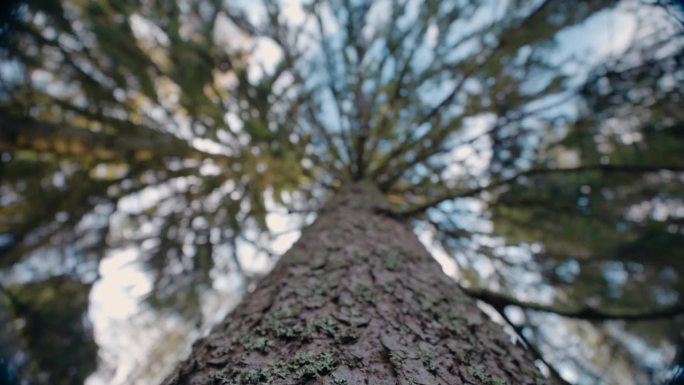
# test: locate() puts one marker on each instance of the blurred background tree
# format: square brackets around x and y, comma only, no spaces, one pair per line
[535,145]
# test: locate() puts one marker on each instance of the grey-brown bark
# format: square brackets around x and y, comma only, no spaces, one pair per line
[358,300]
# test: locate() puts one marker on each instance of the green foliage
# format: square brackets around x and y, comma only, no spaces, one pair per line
[50,320]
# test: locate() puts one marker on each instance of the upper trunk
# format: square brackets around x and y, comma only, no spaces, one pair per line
[357,300]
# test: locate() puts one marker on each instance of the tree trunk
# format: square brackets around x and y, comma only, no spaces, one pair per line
[357,300]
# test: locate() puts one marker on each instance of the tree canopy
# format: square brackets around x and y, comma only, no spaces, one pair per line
[536,145]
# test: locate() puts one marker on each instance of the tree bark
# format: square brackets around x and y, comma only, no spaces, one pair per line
[357,300]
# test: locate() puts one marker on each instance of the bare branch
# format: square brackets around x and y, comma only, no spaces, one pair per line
[500,301]
[533,348]
[607,168]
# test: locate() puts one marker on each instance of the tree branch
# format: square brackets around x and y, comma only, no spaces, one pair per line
[466,73]
[637,169]
[533,348]
[500,301]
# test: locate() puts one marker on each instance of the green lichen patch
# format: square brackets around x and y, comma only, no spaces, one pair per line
[331,328]
[396,260]
[427,303]
[454,323]
[392,262]
[331,280]
[328,326]
[302,367]
[338,380]
[261,344]
[281,323]
[427,357]
[319,295]
[337,264]
[365,294]
[281,313]
[287,332]
[307,366]
[467,354]
[485,378]
[220,377]
[397,360]
[289,329]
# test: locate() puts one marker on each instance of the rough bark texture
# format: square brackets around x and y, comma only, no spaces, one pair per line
[358,300]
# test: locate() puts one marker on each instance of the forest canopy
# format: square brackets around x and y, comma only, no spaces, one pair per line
[535,145]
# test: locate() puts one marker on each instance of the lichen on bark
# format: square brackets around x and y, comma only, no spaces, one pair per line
[357,300]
